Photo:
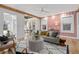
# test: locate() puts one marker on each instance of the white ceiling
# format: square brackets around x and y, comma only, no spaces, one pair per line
[51,9]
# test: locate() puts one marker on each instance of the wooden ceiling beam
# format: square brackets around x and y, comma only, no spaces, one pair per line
[17,10]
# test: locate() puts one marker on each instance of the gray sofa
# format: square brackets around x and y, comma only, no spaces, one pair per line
[52,38]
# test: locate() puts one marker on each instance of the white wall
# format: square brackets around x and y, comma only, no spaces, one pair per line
[20,26]
[1,24]
[78,25]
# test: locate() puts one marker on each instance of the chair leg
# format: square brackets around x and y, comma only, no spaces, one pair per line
[5,51]
[12,50]
[25,49]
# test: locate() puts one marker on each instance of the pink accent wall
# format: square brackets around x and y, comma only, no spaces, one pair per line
[54,23]
[75,26]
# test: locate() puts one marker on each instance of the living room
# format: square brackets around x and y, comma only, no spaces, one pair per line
[39,29]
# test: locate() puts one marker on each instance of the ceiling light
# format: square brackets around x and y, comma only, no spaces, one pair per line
[63,15]
[53,17]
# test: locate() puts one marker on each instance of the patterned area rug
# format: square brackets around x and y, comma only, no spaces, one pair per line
[53,49]
[48,49]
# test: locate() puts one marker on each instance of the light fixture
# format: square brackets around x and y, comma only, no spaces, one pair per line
[53,17]
[63,15]
[43,10]
[56,23]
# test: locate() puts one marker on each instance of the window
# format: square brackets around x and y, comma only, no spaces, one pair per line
[67,27]
[67,24]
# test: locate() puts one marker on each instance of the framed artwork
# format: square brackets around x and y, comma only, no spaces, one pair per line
[44,24]
[67,24]
[44,27]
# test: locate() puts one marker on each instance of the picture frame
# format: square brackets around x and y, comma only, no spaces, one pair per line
[44,27]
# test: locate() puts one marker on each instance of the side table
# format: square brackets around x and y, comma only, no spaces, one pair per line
[62,42]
